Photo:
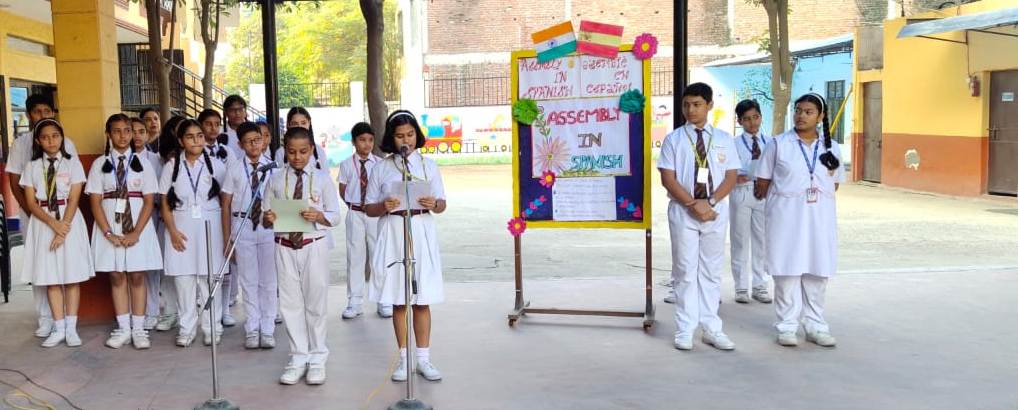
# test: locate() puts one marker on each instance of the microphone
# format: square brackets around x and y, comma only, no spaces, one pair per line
[404,150]
[271,165]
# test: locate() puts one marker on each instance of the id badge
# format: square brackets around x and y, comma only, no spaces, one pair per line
[121,206]
[195,211]
[812,195]
[702,176]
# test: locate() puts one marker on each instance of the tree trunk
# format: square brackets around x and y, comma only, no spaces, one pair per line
[209,21]
[155,58]
[781,62]
[375,24]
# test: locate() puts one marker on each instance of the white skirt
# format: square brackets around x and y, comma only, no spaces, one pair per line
[143,256]
[70,263]
[387,283]
[192,261]
[801,237]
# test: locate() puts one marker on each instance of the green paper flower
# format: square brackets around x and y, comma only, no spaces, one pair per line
[525,111]
[632,101]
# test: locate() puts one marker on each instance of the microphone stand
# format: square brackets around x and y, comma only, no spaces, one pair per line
[216,402]
[409,284]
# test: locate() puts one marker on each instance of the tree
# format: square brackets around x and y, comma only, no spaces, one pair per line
[375,25]
[157,64]
[210,12]
[781,59]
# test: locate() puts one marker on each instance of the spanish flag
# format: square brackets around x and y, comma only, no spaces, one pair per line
[599,39]
[554,42]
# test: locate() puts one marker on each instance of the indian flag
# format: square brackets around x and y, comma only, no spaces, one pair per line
[554,42]
[599,39]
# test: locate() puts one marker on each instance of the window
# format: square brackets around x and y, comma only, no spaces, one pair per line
[835,98]
[28,46]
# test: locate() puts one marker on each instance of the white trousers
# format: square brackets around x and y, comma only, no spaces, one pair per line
[303,290]
[361,231]
[697,256]
[800,298]
[748,232]
[42,304]
[256,269]
[192,290]
[229,282]
[153,279]
[168,288]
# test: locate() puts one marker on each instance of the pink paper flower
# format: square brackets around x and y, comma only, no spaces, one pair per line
[517,226]
[547,179]
[645,46]
[552,155]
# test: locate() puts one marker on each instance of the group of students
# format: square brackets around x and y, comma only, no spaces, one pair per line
[782,208]
[167,198]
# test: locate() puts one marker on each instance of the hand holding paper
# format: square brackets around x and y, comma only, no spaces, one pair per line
[397,190]
[289,215]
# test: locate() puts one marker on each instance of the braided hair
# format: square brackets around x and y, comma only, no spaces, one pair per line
[827,158]
[108,165]
[37,149]
[295,133]
[169,146]
[171,195]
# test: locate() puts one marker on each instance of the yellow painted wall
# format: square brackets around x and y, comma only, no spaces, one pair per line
[15,64]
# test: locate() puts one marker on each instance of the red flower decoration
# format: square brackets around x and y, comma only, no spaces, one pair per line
[645,46]
[517,226]
[547,179]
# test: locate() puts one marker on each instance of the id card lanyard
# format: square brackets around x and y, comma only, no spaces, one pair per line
[702,173]
[812,193]
[195,208]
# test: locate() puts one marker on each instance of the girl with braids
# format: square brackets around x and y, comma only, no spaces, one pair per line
[122,187]
[153,278]
[215,146]
[302,259]
[799,174]
[57,253]
[300,117]
[162,291]
[190,187]
[402,128]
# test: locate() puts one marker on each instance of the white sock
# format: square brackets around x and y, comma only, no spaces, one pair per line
[71,324]
[124,321]
[402,353]
[138,322]
[58,326]
[423,354]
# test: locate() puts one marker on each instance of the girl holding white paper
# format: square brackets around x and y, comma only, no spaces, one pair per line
[403,131]
[302,258]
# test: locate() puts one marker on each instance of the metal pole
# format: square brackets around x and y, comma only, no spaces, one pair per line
[271,78]
[680,59]
[215,403]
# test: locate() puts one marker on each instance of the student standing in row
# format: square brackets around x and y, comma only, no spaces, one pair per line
[402,129]
[361,229]
[235,109]
[167,288]
[254,255]
[56,242]
[747,212]
[215,146]
[698,166]
[122,186]
[153,278]
[302,259]
[802,232]
[190,186]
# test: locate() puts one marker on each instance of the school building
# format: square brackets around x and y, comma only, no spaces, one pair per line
[937,109]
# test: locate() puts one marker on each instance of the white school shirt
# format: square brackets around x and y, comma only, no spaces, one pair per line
[21,152]
[100,182]
[391,170]
[69,172]
[319,191]
[238,182]
[744,146]
[678,154]
[213,150]
[184,186]
[350,174]
[233,142]
[783,164]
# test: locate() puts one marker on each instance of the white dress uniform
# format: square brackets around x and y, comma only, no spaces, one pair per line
[144,255]
[159,292]
[388,281]
[72,261]
[255,251]
[189,268]
[697,247]
[20,155]
[233,142]
[280,158]
[303,268]
[802,233]
[230,286]
[747,220]
[361,229]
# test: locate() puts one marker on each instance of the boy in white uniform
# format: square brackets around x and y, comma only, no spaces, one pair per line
[747,212]
[698,169]
[39,108]
[361,229]
[215,146]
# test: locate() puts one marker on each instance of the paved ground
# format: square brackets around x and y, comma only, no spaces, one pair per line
[923,310]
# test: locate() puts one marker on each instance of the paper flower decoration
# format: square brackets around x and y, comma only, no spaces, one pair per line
[645,46]
[630,207]
[632,101]
[517,226]
[532,206]
[552,155]
[547,179]
[525,111]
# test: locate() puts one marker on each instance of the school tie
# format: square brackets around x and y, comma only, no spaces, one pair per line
[297,238]
[256,206]
[51,188]
[364,181]
[123,218]
[700,192]
[756,148]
